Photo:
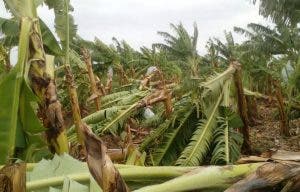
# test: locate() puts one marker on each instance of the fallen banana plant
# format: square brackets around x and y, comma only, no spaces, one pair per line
[53,173]
[63,171]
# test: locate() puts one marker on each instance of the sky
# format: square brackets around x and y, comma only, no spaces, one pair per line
[137,21]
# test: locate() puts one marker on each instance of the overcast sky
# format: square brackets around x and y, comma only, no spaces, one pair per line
[137,21]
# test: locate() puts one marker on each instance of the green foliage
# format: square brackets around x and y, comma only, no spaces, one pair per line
[181,48]
[35,147]
[196,151]
[227,141]
[160,130]
[227,50]
[61,23]
[281,11]
[182,45]
[197,129]
[3,56]
[9,103]
[81,78]
[20,126]
[176,137]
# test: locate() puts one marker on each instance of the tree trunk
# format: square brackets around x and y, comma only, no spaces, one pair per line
[242,106]
[284,122]
[268,90]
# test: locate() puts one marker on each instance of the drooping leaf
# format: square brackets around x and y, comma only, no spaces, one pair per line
[51,45]
[61,24]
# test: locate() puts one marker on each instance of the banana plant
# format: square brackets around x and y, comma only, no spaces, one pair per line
[33,69]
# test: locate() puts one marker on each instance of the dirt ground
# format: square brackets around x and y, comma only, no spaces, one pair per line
[266,135]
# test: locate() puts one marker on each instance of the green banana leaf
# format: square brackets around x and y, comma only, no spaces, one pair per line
[10,87]
[31,127]
[19,124]
[60,166]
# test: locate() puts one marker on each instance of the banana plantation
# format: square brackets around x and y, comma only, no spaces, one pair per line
[81,115]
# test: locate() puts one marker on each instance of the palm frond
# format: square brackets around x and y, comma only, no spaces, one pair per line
[161,129]
[98,117]
[195,153]
[175,139]
[75,60]
[113,96]
[227,143]
[118,121]
[154,121]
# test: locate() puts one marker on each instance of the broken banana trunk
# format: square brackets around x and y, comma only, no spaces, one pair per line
[41,76]
[13,178]
[100,165]
[242,106]
[94,89]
